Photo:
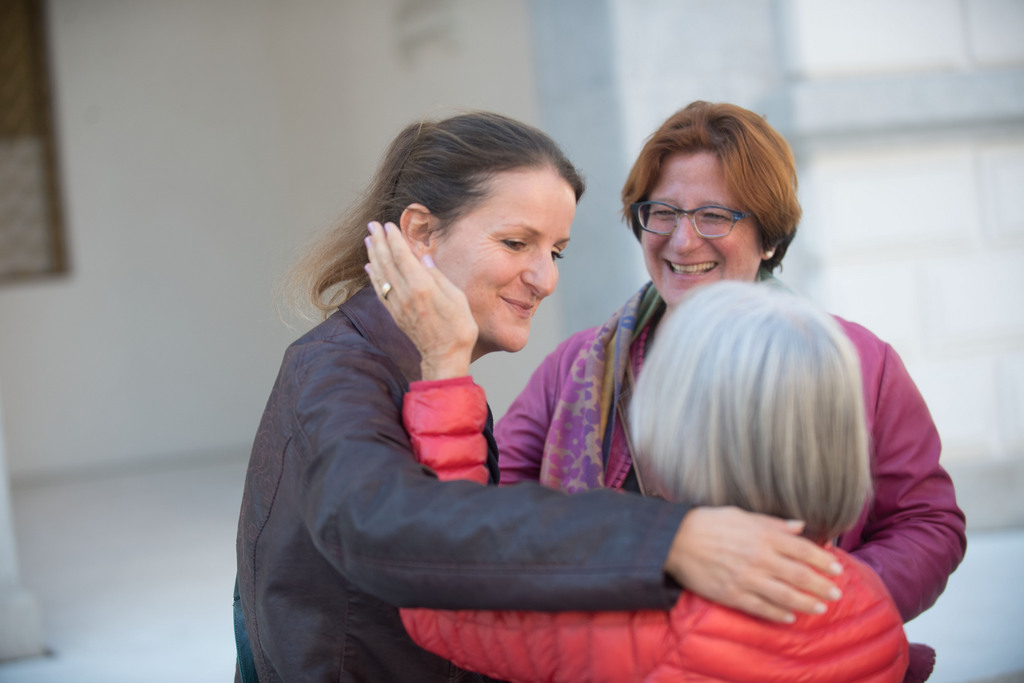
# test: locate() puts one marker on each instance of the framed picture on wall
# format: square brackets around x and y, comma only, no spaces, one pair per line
[31,224]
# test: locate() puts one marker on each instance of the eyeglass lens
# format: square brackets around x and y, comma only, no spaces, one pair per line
[709,221]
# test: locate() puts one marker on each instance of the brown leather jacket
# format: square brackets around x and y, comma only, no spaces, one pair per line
[339,526]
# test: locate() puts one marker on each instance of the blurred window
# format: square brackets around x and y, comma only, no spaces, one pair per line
[31,234]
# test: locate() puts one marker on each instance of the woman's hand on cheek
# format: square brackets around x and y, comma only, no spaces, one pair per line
[425,305]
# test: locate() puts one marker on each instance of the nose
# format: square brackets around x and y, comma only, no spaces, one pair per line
[684,236]
[542,276]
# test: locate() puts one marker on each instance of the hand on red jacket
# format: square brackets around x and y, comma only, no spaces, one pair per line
[754,563]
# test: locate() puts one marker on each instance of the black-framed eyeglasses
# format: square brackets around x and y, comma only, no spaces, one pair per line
[709,221]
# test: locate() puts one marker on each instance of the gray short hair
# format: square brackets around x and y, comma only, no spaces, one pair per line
[752,397]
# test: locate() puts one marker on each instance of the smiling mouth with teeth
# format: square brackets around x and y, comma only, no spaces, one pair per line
[691,270]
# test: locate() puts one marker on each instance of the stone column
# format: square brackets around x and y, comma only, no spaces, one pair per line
[21,630]
[580,106]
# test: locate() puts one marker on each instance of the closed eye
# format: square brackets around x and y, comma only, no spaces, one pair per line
[514,245]
[716,215]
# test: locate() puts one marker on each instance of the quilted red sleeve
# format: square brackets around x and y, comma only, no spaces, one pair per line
[445,420]
[561,647]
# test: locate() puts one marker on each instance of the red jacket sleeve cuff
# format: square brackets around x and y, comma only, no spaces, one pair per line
[425,384]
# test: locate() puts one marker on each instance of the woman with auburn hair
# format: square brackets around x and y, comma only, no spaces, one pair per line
[713,196]
[752,398]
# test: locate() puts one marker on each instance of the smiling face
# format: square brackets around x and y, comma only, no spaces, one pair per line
[683,260]
[503,253]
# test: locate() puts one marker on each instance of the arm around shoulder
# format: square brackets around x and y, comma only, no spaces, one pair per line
[411,540]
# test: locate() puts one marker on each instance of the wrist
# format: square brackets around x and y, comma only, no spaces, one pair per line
[432,370]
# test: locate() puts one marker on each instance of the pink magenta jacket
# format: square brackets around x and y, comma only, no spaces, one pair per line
[911,533]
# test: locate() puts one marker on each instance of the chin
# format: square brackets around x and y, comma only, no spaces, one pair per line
[676,295]
[511,337]
[506,345]
[512,345]
[673,297]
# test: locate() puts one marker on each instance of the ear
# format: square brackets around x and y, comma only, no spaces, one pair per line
[417,226]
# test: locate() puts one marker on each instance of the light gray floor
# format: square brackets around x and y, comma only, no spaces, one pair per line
[134,572]
[134,575]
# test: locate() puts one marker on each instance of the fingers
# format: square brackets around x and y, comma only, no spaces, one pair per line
[393,261]
[754,563]
[386,259]
[402,258]
[774,598]
[766,608]
[425,305]
[443,283]
[806,565]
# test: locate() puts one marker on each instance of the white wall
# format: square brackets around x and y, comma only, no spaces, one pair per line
[911,140]
[201,144]
[915,249]
[913,211]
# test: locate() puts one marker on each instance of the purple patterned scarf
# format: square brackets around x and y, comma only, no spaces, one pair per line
[582,421]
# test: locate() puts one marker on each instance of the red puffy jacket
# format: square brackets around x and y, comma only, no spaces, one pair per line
[445,421]
[860,638]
